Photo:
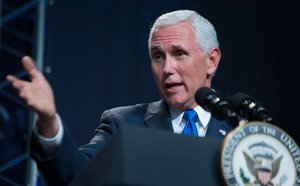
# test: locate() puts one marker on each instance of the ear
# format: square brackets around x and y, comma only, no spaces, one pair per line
[213,60]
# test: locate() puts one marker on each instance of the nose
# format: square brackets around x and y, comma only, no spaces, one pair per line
[168,67]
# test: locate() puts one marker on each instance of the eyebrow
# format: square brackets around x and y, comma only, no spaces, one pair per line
[176,47]
[155,48]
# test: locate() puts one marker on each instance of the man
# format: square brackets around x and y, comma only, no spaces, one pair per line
[184,55]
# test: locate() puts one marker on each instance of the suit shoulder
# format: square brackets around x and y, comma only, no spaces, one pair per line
[134,109]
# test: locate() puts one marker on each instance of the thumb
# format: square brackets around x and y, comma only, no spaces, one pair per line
[30,67]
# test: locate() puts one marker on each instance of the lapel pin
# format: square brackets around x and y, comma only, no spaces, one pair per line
[222,131]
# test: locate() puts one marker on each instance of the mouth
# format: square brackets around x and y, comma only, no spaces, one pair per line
[173,86]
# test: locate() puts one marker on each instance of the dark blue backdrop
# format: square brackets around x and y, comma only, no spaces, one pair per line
[98,54]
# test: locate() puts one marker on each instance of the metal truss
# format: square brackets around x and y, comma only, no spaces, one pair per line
[22,28]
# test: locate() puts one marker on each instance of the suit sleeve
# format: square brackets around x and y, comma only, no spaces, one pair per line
[61,167]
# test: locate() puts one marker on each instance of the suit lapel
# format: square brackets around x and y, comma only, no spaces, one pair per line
[158,116]
[218,128]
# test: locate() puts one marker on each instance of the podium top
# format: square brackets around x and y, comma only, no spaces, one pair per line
[140,156]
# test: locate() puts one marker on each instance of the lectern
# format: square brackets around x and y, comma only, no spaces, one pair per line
[147,157]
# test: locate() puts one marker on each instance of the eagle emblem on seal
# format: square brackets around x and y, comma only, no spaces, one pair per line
[262,164]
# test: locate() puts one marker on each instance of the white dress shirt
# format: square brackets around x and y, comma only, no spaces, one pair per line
[178,122]
[50,144]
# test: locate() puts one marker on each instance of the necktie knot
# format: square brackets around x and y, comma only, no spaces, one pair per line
[190,127]
[190,115]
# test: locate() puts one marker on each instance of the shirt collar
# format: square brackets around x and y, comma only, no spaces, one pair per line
[203,115]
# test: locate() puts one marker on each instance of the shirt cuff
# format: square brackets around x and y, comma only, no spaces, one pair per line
[50,144]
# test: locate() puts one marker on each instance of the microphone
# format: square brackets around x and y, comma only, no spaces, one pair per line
[220,108]
[250,109]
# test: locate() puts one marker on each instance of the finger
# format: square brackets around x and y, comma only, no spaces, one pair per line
[16,83]
[11,78]
[30,68]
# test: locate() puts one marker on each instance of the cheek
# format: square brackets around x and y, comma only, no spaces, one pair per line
[194,71]
[200,68]
[197,75]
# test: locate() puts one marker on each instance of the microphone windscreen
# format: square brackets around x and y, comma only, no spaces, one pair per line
[239,97]
[202,93]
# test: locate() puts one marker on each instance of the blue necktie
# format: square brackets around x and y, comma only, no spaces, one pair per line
[190,128]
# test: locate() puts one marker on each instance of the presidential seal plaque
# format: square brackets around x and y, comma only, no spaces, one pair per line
[259,153]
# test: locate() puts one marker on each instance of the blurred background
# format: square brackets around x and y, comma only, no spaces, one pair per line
[95,56]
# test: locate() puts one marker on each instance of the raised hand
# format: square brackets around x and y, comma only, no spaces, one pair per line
[37,95]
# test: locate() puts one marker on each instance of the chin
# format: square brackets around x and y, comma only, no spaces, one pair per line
[177,103]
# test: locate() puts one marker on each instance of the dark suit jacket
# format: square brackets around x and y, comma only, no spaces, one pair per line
[60,168]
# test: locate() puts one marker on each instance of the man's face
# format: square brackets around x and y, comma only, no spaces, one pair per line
[179,67]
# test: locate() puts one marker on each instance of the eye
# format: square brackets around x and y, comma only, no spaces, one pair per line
[180,54]
[157,57]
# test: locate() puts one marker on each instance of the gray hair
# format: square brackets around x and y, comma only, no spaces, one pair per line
[206,36]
